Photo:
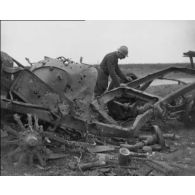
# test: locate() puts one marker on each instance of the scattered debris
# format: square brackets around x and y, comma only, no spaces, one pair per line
[97,149]
[161,166]
[156,147]
[86,166]
[147,149]
[123,158]
[56,156]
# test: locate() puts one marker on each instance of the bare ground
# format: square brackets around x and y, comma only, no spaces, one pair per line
[180,156]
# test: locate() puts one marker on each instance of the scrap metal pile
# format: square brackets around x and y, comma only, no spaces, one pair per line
[53,106]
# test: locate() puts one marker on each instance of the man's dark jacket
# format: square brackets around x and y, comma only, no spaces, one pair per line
[108,67]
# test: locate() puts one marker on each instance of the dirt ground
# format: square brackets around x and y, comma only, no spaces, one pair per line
[179,157]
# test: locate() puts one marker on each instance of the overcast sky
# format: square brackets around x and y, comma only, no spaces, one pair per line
[148,41]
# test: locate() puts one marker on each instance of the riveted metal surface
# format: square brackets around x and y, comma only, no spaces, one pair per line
[72,81]
[54,77]
[77,81]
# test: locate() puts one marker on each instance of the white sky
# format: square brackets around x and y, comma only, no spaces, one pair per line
[148,41]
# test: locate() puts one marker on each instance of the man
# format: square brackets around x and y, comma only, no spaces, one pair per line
[109,67]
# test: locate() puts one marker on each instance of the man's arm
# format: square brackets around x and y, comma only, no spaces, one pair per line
[111,69]
[120,74]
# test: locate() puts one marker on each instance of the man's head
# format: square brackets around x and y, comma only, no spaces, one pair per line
[122,52]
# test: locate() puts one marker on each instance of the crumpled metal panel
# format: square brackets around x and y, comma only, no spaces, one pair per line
[33,90]
[73,81]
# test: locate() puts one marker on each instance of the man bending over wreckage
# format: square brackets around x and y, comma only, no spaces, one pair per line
[109,67]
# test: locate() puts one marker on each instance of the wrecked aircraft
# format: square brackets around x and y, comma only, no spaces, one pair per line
[52,101]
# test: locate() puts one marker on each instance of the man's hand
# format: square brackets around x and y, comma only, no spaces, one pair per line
[128,79]
[132,76]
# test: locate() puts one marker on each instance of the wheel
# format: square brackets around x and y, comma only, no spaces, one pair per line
[28,141]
